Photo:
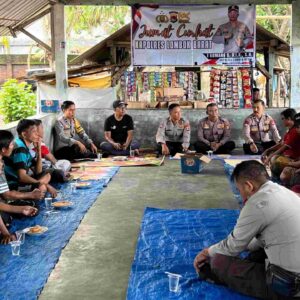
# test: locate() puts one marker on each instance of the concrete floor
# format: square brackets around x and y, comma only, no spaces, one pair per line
[96,262]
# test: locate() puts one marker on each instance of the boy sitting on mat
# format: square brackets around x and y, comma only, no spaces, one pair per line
[12,202]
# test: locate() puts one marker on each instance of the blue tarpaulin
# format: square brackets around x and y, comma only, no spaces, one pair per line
[24,277]
[228,171]
[169,240]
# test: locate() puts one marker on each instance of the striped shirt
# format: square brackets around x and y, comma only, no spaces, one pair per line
[19,159]
[3,182]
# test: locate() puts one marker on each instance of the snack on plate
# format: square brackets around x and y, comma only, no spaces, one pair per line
[36,229]
[120,158]
[61,203]
[83,184]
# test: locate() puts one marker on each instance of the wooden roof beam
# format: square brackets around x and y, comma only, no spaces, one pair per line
[40,43]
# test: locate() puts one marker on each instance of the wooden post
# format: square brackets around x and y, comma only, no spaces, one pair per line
[295,56]
[58,36]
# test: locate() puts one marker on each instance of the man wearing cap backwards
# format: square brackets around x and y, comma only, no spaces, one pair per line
[118,132]
[234,34]
[173,134]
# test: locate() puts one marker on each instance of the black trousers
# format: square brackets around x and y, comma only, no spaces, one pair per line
[73,152]
[246,276]
[174,147]
[201,147]
[260,146]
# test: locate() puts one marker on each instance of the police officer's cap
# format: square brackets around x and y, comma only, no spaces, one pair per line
[297,119]
[233,7]
[119,103]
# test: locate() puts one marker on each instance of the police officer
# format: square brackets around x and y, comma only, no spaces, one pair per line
[173,134]
[269,227]
[214,132]
[72,142]
[234,34]
[260,131]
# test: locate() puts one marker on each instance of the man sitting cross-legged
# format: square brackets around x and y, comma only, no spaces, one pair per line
[268,226]
[12,202]
[21,170]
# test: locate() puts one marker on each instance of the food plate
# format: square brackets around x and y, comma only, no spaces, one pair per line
[120,158]
[62,204]
[36,230]
[83,185]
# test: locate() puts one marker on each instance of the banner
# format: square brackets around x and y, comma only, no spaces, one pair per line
[193,35]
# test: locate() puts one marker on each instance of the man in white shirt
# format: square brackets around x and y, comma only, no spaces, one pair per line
[269,221]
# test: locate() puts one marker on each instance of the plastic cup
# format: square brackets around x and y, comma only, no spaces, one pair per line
[48,204]
[20,234]
[15,248]
[99,156]
[173,282]
[131,153]
[210,153]
[73,187]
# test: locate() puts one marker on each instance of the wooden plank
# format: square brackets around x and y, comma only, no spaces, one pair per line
[131,2]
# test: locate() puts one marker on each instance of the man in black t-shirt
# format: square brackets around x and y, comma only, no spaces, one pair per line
[118,132]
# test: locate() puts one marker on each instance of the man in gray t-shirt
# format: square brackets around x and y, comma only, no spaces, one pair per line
[268,226]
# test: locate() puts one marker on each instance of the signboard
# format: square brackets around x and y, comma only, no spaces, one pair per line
[193,35]
[50,106]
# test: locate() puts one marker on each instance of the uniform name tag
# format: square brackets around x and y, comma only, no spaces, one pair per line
[254,128]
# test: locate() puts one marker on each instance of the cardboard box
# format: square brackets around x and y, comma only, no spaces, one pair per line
[193,164]
[190,164]
[137,104]
[168,92]
[200,104]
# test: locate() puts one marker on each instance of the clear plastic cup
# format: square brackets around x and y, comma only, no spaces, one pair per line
[48,204]
[210,153]
[20,235]
[73,187]
[15,248]
[99,156]
[131,153]
[173,282]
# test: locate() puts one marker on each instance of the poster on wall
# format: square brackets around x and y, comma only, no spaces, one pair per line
[193,35]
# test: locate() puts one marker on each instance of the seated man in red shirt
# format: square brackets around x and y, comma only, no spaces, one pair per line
[290,176]
[280,155]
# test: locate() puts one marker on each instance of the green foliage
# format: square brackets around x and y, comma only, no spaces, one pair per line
[276,26]
[17,101]
[86,18]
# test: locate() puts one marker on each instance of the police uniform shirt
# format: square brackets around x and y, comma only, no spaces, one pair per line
[269,219]
[174,132]
[119,129]
[240,36]
[218,131]
[260,130]
[68,132]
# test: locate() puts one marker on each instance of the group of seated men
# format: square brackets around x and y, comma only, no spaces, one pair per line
[27,168]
